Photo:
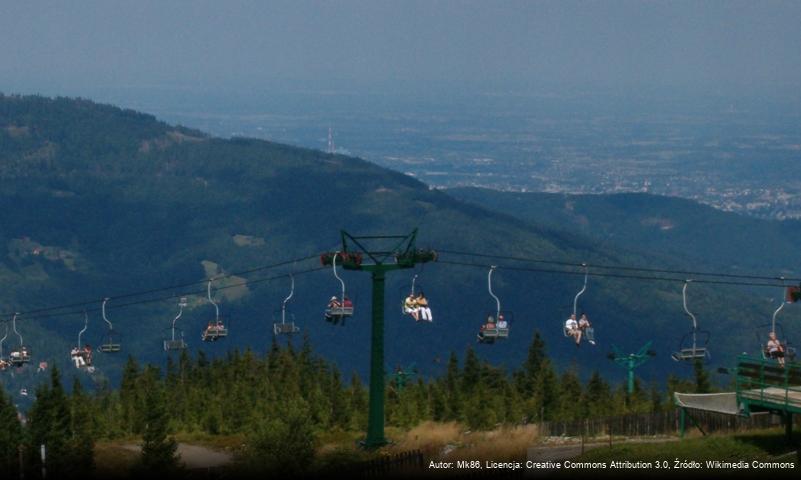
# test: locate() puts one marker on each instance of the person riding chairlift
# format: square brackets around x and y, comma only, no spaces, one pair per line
[572,329]
[213,328]
[335,303]
[775,349]
[502,325]
[75,353]
[87,354]
[423,308]
[410,307]
[490,325]
[585,327]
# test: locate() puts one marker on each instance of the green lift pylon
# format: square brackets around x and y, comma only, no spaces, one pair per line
[393,252]
[630,361]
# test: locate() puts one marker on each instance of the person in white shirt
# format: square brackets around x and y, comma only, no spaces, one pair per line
[502,325]
[410,307]
[77,357]
[775,348]
[572,328]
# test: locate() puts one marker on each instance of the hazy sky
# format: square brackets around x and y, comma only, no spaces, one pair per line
[398,45]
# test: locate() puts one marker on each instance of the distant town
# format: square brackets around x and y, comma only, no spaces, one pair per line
[728,153]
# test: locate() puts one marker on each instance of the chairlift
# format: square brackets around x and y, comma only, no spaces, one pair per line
[764,331]
[82,356]
[497,326]
[571,329]
[287,325]
[410,303]
[111,340]
[216,329]
[176,342]
[4,364]
[22,354]
[338,310]
[693,346]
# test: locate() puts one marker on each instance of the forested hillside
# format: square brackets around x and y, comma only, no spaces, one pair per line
[673,227]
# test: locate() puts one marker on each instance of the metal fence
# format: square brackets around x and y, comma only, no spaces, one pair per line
[658,423]
[400,464]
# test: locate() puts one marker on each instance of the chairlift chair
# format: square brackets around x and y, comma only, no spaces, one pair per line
[287,325]
[490,334]
[343,308]
[22,354]
[763,332]
[79,351]
[216,329]
[588,333]
[761,335]
[176,342]
[414,291]
[111,340]
[693,346]
[3,361]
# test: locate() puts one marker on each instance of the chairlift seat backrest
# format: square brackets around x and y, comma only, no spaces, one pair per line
[174,344]
[339,311]
[690,354]
[285,328]
[110,347]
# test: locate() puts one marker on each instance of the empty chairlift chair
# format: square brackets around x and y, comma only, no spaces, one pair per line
[287,325]
[693,346]
[176,339]
[111,340]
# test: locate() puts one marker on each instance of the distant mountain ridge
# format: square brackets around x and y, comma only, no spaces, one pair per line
[664,225]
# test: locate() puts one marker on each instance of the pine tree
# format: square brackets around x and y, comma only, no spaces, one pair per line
[10,436]
[129,397]
[158,449]
[283,444]
[340,413]
[83,432]
[546,392]
[358,403]
[533,364]
[50,425]
[656,399]
[570,393]
[471,374]
[597,400]
[453,398]
[438,406]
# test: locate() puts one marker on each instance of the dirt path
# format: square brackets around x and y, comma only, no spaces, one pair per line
[194,456]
